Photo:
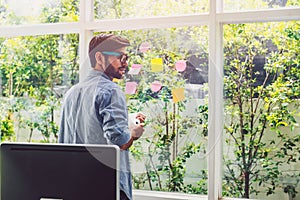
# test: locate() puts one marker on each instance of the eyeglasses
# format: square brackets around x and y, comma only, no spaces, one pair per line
[122,56]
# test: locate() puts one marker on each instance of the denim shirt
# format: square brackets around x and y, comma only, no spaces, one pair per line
[94,111]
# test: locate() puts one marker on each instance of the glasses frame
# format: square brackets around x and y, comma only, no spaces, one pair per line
[122,56]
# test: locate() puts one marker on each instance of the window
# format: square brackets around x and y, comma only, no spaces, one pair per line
[171,155]
[235,5]
[147,8]
[259,82]
[35,70]
[217,33]
[27,12]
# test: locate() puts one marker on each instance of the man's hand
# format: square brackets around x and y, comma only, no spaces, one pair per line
[137,131]
[141,117]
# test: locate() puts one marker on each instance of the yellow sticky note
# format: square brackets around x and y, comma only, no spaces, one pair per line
[178,94]
[115,80]
[156,65]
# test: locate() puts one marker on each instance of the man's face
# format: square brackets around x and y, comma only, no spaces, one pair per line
[116,63]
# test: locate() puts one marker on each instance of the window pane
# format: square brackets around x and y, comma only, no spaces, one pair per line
[35,72]
[170,89]
[147,8]
[237,5]
[15,12]
[261,83]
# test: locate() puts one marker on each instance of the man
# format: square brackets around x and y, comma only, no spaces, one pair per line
[94,111]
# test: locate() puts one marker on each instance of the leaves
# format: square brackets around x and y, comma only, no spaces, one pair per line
[253,108]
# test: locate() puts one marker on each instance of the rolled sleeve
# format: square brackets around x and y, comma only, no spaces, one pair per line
[113,111]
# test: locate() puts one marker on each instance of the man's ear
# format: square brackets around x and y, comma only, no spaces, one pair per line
[99,58]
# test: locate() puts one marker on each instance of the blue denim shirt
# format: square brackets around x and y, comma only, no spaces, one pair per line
[94,111]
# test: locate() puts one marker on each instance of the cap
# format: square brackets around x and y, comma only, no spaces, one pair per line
[107,42]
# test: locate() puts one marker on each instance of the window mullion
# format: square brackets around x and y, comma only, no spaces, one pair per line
[86,15]
[215,115]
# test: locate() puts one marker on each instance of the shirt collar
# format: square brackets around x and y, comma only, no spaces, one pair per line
[97,73]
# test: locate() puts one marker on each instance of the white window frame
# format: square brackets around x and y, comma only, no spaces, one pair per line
[214,20]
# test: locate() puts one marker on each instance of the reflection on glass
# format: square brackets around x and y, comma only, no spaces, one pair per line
[167,82]
[147,8]
[237,5]
[15,12]
[262,89]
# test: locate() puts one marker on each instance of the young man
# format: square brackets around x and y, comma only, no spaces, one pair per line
[94,111]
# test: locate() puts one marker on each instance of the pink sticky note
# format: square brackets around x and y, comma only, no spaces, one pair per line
[180,65]
[130,87]
[156,86]
[135,69]
[144,47]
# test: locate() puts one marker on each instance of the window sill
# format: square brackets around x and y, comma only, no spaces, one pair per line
[157,195]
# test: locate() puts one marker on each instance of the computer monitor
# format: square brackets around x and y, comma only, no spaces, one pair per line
[59,172]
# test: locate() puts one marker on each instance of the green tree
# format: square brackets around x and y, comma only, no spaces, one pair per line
[253,107]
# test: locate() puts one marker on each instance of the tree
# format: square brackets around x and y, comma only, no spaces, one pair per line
[253,107]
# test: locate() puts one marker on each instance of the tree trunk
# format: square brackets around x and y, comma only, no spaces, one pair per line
[247,185]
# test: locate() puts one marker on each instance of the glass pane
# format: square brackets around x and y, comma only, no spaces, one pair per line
[15,12]
[108,9]
[262,90]
[35,72]
[167,81]
[237,5]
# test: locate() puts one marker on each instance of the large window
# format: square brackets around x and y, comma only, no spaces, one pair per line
[218,79]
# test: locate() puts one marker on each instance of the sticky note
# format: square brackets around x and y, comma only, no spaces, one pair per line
[178,94]
[155,86]
[130,87]
[156,65]
[144,47]
[135,69]
[115,80]
[180,65]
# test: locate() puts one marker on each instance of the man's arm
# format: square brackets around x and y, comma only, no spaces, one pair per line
[136,133]
[127,145]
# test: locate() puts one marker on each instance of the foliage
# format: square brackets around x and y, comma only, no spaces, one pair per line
[35,67]
[7,129]
[255,105]
[8,16]
[8,107]
[132,8]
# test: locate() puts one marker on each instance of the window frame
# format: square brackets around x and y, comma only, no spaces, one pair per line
[215,20]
